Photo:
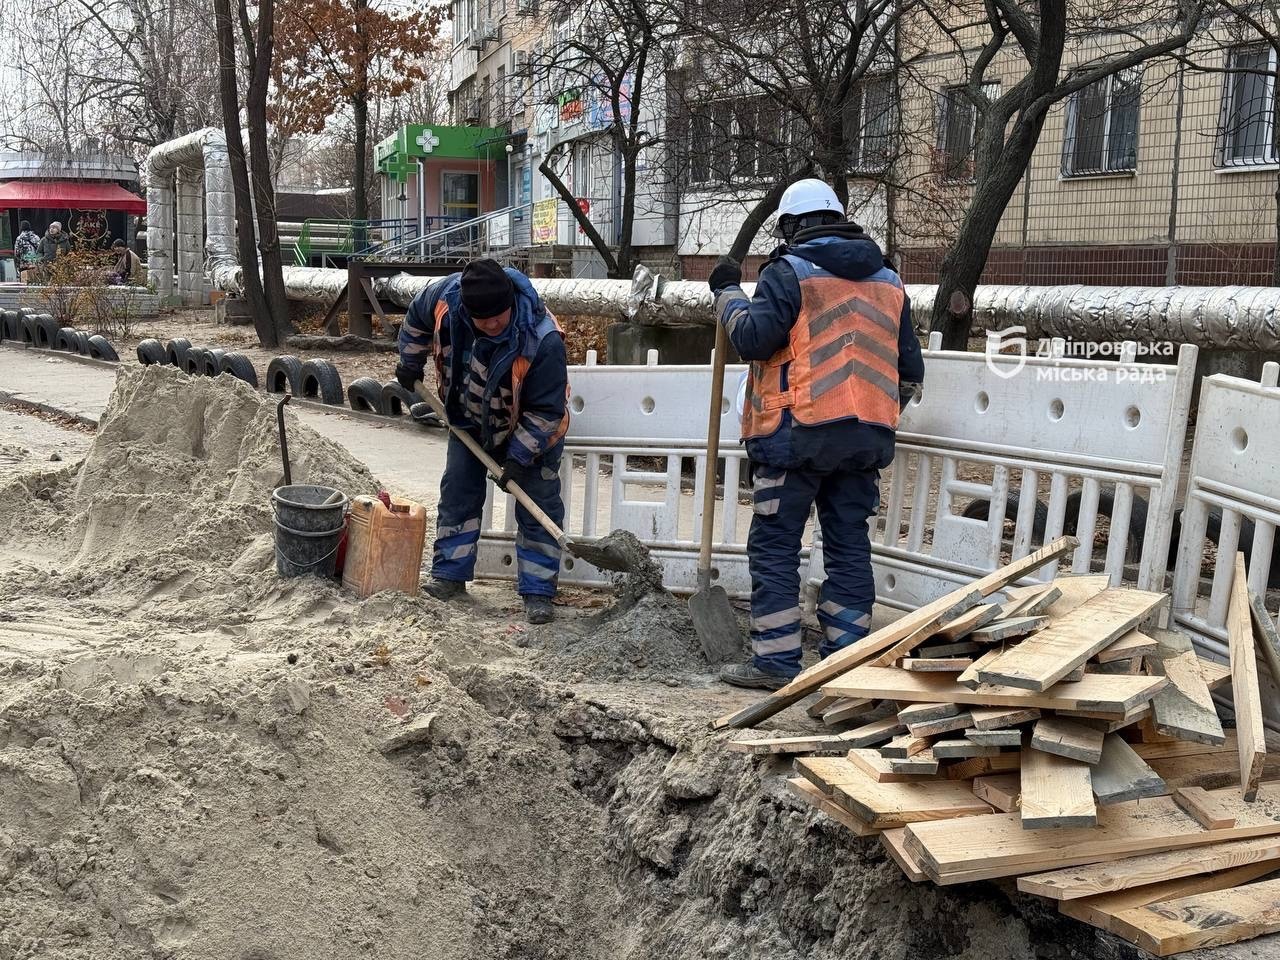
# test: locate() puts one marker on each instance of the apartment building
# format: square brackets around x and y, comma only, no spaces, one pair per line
[1165,173]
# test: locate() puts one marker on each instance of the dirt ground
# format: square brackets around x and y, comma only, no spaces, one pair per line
[199,759]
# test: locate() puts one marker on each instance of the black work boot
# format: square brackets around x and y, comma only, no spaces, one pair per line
[444,589]
[538,610]
[749,675]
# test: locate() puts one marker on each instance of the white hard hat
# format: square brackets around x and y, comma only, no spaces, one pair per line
[808,196]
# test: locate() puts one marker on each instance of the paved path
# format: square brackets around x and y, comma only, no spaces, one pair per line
[408,460]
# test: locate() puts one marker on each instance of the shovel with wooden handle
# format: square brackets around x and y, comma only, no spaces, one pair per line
[601,554]
[712,613]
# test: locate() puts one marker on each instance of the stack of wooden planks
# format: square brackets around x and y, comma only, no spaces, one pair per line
[1052,733]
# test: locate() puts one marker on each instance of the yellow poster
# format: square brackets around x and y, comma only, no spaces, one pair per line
[544,221]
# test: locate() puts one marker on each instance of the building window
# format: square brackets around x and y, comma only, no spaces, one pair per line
[869,121]
[737,140]
[957,120]
[1102,126]
[1247,134]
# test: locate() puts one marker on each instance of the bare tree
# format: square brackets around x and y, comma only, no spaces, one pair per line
[1026,41]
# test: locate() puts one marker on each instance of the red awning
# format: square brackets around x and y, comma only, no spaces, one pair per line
[69,195]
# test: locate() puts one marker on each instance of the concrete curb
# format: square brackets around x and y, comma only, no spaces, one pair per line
[60,354]
[10,400]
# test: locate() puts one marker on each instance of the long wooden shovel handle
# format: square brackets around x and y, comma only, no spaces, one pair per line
[713,451]
[428,397]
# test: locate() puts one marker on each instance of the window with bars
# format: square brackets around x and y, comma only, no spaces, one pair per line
[869,125]
[742,139]
[1102,126]
[957,120]
[1247,132]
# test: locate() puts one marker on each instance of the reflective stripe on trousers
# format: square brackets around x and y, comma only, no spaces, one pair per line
[783,500]
[462,494]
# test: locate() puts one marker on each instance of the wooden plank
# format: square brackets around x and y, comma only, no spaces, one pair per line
[1215,675]
[811,795]
[968,621]
[1207,919]
[1056,792]
[1097,691]
[1031,601]
[881,769]
[1101,911]
[1043,659]
[923,712]
[1121,775]
[999,631]
[1076,591]
[820,706]
[888,805]
[907,745]
[961,749]
[1074,675]
[1002,790]
[941,650]
[894,845]
[969,676]
[1184,709]
[1132,665]
[1186,748]
[1005,762]
[1205,808]
[933,728]
[1143,826]
[925,763]
[995,718]
[888,638]
[936,664]
[1247,701]
[784,745]
[1065,738]
[873,733]
[995,738]
[1135,643]
[825,772]
[1094,879]
[846,709]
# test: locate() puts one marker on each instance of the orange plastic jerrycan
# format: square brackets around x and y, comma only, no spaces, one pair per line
[384,545]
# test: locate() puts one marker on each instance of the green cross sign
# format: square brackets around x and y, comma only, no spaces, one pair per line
[398,167]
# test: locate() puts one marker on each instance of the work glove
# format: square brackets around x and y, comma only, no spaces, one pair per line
[513,469]
[727,273]
[406,377]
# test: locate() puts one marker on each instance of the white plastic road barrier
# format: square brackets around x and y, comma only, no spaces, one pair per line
[1051,445]
[1233,485]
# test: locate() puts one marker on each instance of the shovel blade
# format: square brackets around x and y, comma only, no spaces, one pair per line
[716,625]
[603,556]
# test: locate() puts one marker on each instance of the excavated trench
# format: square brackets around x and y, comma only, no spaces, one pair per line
[200,760]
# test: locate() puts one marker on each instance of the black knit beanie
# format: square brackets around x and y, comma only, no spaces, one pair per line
[486,289]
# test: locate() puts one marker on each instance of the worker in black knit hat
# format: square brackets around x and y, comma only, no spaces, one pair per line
[501,372]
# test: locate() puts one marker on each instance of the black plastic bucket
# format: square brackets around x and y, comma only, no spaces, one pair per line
[309,524]
[303,552]
[303,506]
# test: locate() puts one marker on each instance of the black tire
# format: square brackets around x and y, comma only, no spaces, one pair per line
[320,381]
[212,362]
[240,367]
[365,394]
[175,352]
[8,324]
[396,400]
[27,330]
[151,351]
[66,340]
[979,510]
[193,363]
[82,343]
[100,348]
[46,329]
[284,375]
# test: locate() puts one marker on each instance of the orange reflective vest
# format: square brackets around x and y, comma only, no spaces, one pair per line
[519,367]
[841,361]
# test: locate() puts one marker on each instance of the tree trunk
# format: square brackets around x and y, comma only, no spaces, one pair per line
[260,172]
[230,96]
[360,117]
[589,228]
[625,265]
